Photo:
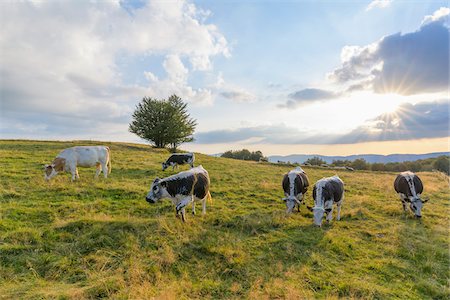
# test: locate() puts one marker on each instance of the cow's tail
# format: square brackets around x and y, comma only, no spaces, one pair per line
[109,160]
[209,198]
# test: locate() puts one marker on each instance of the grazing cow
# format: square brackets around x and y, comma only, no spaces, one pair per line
[326,192]
[179,159]
[182,188]
[295,184]
[81,156]
[409,187]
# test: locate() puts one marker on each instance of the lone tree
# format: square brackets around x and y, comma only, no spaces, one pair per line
[163,122]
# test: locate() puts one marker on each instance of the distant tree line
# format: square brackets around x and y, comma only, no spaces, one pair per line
[441,163]
[245,154]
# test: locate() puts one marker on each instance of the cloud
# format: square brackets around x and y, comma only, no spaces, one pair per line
[232,92]
[441,15]
[309,95]
[406,64]
[409,122]
[238,96]
[62,59]
[378,4]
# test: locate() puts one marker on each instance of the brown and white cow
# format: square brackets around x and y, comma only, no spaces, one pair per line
[80,156]
[409,188]
[182,188]
[295,184]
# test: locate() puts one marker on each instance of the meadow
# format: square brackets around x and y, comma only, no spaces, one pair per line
[101,239]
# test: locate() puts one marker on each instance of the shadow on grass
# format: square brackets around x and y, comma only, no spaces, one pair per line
[243,250]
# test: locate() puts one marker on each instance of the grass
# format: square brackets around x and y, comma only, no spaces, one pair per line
[100,239]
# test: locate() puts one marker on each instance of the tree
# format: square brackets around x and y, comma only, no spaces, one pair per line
[340,162]
[245,154]
[442,164]
[315,161]
[163,122]
[360,164]
[378,167]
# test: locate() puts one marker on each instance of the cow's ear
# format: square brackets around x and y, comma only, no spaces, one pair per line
[156,180]
[284,199]
[309,207]
[425,200]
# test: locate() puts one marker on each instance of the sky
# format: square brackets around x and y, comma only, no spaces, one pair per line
[283,77]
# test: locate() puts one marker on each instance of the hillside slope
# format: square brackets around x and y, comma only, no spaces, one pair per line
[99,238]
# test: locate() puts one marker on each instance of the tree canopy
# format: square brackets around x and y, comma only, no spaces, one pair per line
[244,154]
[163,122]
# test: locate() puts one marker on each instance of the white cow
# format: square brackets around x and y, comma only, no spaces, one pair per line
[81,156]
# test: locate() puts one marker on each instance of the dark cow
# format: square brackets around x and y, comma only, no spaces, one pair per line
[326,192]
[182,188]
[409,188]
[295,184]
[179,159]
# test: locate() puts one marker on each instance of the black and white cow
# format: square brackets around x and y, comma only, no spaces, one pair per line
[179,159]
[295,184]
[409,188]
[326,192]
[182,188]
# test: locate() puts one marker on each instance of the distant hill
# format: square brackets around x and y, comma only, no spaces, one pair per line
[370,158]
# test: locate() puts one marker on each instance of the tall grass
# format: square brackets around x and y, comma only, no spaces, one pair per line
[99,238]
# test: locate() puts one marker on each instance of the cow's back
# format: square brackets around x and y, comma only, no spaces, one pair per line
[194,182]
[301,182]
[201,187]
[333,188]
[337,189]
[401,184]
[85,156]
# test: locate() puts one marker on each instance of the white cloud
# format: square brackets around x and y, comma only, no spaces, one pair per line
[60,58]
[406,64]
[441,14]
[378,4]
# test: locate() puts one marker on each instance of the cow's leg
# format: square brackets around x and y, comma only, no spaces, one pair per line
[97,172]
[76,173]
[193,207]
[204,205]
[405,205]
[184,201]
[330,215]
[404,199]
[105,170]
[338,217]
[183,214]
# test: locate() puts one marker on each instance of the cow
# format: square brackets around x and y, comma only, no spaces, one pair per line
[179,159]
[80,156]
[295,184]
[409,188]
[326,192]
[182,189]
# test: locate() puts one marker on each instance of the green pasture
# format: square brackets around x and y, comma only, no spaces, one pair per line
[99,238]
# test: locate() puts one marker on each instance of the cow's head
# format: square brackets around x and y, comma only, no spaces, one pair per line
[318,212]
[157,191]
[290,203]
[164,166]
[416,205]
[52,170]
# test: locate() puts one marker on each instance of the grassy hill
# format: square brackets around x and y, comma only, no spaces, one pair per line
[99,238]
